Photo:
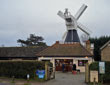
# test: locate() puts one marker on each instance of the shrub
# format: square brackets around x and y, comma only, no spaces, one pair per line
[94,66]
[20,69]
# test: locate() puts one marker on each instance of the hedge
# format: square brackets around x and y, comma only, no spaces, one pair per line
[20,69]
[106,76]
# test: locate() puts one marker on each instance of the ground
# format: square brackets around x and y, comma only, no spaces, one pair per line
[60,79]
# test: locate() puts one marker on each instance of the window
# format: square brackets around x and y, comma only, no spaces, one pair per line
[82,62]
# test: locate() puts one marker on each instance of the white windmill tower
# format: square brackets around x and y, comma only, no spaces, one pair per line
[72,24]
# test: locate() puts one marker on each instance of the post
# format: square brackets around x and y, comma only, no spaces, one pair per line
[54,72]
[13,79]
[28,76]
[102,78]
[46,71]
[94,81]
[87,73]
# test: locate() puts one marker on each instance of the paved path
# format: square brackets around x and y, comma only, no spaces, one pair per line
[62,79]
[67,79]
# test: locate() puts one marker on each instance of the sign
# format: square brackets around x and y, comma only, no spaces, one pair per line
[93,76]
[40,73]
[28,76]
[41,76]
[102,67]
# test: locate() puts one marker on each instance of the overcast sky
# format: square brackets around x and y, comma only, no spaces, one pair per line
[19,18]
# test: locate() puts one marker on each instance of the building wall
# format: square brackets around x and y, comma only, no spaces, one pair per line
[82,68]
[105,53]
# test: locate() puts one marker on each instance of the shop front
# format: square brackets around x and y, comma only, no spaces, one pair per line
[67,63]
[66,54]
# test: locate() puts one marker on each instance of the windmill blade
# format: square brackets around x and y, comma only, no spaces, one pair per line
[84,29]
[64,36]
[61,14]
[80,11]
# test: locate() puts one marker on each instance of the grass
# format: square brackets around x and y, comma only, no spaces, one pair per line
[27,84]
[25,81]
[12,81]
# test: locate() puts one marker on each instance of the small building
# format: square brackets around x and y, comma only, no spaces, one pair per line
[20,53]
[105,52]
[67,53]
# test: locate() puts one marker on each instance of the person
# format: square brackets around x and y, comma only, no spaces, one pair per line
[63,67]
[74,69]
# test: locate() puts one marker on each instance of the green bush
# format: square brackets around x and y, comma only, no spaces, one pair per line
[20,69]
[106,76]
[94,66]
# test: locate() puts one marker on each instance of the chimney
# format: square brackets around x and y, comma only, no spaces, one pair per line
[57,42]
[89,46]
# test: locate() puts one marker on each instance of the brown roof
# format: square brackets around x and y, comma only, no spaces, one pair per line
[65,50]
[20,51]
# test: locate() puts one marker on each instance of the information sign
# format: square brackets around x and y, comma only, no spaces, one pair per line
[102,67]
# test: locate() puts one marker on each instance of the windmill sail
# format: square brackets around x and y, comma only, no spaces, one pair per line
[84,29]
[71,23]
[60,13]
[80,11]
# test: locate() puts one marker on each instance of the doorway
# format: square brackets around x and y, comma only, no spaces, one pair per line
[67,62]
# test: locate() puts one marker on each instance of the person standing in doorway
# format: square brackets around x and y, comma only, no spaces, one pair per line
[63,67]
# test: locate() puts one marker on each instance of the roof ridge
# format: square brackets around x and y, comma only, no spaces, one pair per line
[46,49]
[65,49]
[105,44]
[22,47]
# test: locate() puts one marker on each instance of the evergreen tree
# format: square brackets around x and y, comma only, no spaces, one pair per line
[98,43]
[33,40]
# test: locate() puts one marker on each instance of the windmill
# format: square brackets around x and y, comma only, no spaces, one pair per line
[72,24]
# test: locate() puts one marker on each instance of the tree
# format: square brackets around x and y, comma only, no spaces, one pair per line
[33,40]
[98,43]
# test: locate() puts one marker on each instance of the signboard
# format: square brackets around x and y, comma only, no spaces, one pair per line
[40,73]
[93,76]
[28,76]
[102,67]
